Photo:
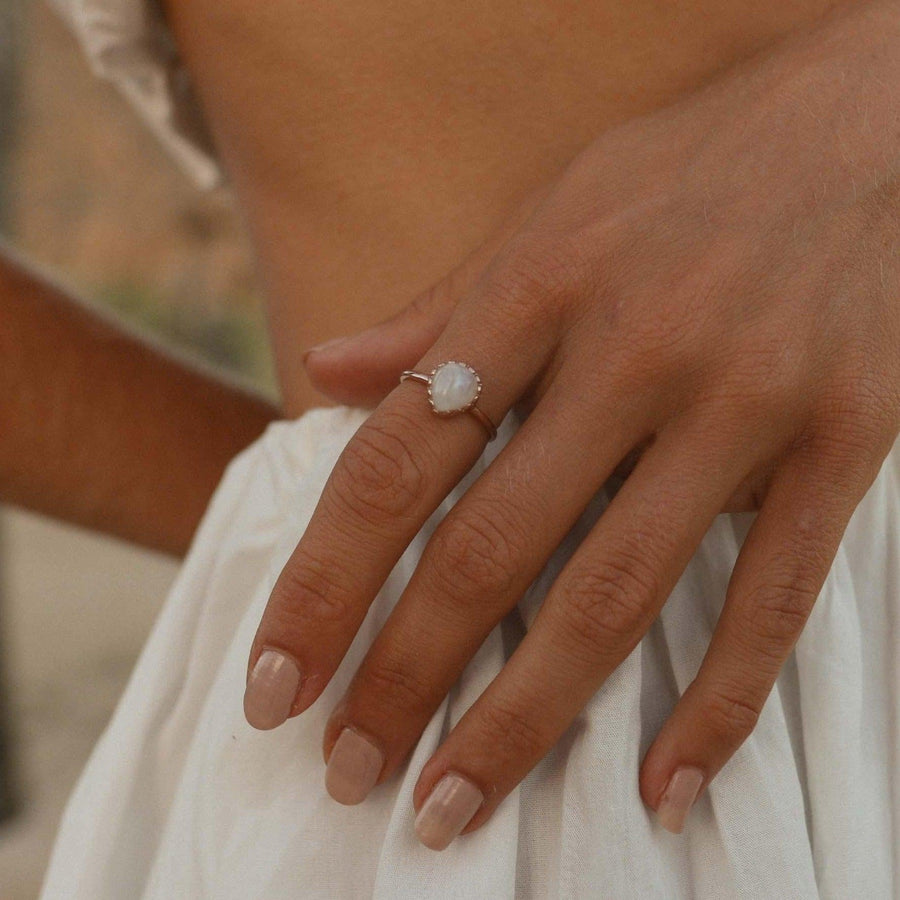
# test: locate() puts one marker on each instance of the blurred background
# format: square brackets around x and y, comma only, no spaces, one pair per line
[86,191]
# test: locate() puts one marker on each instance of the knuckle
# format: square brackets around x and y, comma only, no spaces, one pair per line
[400,684]
[535,276]
[860,387]
[378,476]
[661,344]
[856,423]
[778,610]
[306,590]
[730,715]
[475,553]
[608,604]
[511,733]
[759,391]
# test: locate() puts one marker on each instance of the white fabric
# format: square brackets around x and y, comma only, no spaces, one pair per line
[127,43]
[182,799]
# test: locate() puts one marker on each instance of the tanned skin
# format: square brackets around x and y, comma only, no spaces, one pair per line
[103,428]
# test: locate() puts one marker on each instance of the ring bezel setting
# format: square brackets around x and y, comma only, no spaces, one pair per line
[453,388]
[453,410]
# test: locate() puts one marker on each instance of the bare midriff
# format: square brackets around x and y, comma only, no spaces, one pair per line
[374,143]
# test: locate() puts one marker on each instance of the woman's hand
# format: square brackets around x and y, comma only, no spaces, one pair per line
[712,290]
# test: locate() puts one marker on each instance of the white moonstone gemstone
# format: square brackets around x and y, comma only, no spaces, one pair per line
[453,387]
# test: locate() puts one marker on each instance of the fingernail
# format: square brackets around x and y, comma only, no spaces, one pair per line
[678,798]
[271,690]
[327,345]
[449,808]
[353,768]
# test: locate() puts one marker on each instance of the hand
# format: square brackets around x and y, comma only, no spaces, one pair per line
[712,290]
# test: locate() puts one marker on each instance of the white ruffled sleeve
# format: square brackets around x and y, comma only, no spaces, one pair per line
[127,43]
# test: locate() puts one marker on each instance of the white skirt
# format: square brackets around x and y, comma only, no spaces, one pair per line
[182,800]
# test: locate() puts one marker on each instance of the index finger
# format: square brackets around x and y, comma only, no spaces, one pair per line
[391,476]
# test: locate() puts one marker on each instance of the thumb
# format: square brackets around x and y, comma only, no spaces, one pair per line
[361,369]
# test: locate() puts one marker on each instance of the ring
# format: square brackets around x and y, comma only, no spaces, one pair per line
[453,388]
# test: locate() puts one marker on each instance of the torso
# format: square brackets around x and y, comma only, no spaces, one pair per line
[373,143]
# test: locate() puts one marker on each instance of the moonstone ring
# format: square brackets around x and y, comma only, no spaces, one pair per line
[453,387]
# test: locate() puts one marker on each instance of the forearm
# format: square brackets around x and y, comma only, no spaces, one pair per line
[104,429]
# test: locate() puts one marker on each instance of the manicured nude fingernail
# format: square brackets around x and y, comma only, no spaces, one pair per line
[449,808]
[271,690]
[327,345]
[353,768]
[678,798]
